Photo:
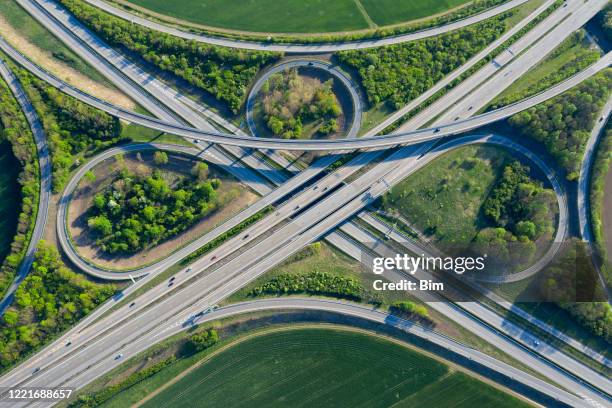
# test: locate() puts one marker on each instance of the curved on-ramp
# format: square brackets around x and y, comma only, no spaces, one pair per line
[332,70]
[303,48]
[95,270]
[373,142]
[44,164]
[365,313]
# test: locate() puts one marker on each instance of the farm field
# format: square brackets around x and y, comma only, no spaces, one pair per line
[9,197]
[386,12]
[326,367]
[298,16]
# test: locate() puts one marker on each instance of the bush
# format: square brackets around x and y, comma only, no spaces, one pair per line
[203,340]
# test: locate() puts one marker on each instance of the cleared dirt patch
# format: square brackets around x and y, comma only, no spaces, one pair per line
[62,71]
[233,196]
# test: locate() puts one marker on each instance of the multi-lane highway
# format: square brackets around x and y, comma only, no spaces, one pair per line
[321,208]
[305,48]
[44,165]
[374,142]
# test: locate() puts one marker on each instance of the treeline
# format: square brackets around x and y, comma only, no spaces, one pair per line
[601,166]
[15,129]
[136,211]
[51,299]
[223,72]
[73,128]
[399,73]
[563,124]
[582,59]
[314,283]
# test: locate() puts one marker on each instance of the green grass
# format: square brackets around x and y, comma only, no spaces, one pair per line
[29,28]
[325,368]
[308,16]
[9,197]
[386,12]
[571,56]
[444,198]
[298,16]
[142,134]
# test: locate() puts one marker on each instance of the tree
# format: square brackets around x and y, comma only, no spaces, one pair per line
[160,158]
[101,225]
[203,340]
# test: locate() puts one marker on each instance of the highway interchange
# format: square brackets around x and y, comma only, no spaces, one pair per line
[309,214]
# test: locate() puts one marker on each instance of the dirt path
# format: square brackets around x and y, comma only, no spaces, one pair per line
[62,71]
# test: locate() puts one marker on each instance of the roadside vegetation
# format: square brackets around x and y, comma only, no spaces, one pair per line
[74,130]
[605,19]
[399,73]
[571,283]
[602,165]
[15,130]
[137,211]
[563,124]
[293,103]
[313,357]
[50,300]
[302,16]
[569,58]
[222,72]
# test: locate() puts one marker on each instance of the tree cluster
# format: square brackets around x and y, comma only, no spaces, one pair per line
[48,301]
[15,129]
[72,127]
[203,340]
[223,72]
[563,124]
[399,73]
[605,20]
[520,210]
[290,101]
[314,283]
[135,212]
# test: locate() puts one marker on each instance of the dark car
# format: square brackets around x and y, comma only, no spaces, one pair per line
[132,304]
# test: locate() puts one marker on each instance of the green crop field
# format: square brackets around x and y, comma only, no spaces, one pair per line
[326,368]
[297,16]
[385,12]
[9,197]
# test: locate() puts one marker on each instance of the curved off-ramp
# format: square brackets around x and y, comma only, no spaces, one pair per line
[373,142]
[44,164]
[332,70]
[315,48]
